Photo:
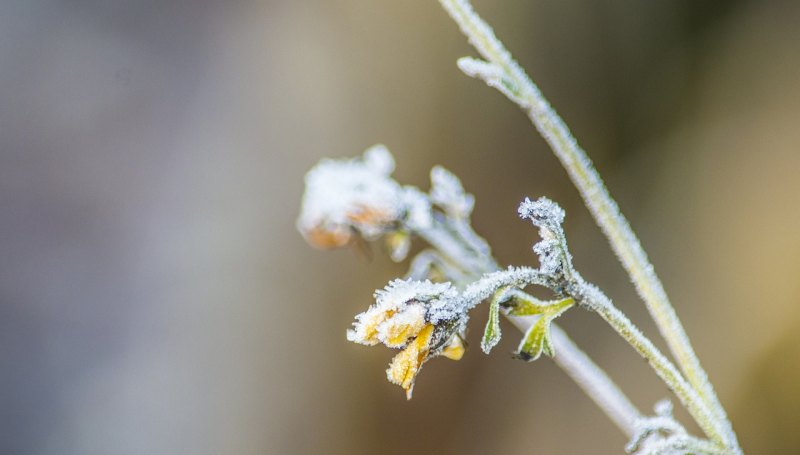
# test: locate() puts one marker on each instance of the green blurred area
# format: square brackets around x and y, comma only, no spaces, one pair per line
[155,296]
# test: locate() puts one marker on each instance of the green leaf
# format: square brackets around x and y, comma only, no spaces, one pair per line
[535,340]
[527,305]
[491,335]
[557,308]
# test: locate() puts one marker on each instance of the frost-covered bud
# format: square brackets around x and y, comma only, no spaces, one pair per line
[448,193]
[357,196]
[407,314]
[543,212]
[554,258]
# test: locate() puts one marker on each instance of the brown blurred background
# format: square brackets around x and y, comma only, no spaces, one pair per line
[155,297]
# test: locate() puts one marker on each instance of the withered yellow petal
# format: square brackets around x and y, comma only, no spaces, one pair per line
[406,365]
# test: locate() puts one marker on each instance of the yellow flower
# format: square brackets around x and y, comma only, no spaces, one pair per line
[419,317]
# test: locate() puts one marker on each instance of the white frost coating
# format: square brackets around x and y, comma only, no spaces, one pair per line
[474,67]
[379,159]
[400,312]
[661,434]
[448,193]
[550,256]
[395,331]
[552,250]
[399,292]
[356,193]
[484,288]
[492,74]
[542,212]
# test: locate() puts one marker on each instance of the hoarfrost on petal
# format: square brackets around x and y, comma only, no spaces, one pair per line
[399,292]
[400,327]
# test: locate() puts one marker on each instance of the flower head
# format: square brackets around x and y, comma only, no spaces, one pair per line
[344,198]
[404,317]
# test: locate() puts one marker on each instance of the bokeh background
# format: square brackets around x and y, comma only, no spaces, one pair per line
[155,297]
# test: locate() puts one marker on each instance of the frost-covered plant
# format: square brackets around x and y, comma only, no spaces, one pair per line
[425,315]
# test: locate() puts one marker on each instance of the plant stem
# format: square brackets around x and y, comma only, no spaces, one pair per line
[595,300]
[516,84]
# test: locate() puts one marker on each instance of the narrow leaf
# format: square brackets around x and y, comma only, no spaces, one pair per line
[533,344]
[491,335]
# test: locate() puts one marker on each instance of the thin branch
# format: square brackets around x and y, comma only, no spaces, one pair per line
[503,72]
[592,298]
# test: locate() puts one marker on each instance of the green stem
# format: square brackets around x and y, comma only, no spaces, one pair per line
[518,86]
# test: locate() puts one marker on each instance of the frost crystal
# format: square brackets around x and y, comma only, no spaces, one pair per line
[344,197]
[554,258]
[550,256]
[542,212]
[448,193]
[399,293]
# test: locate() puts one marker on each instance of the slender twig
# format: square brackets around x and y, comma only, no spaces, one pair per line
[504,73]
[590,378]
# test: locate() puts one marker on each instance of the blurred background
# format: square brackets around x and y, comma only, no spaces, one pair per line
[155,297]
